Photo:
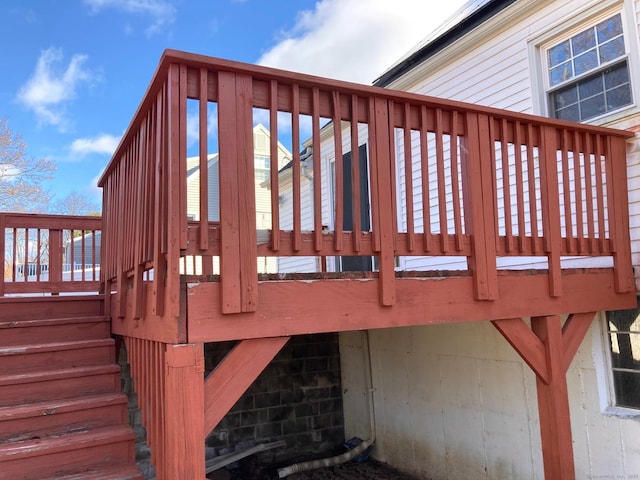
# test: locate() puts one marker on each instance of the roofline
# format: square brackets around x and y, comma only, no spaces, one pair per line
[439,43]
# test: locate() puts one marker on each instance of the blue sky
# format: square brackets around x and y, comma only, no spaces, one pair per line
[74,71]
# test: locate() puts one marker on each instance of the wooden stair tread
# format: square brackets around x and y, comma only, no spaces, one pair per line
[51,321]
[54,346]
[42,376]
[116,472]
[52,407]
[66,442]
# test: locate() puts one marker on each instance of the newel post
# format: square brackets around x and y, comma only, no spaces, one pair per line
[238,245]
[618,202]
[479,205]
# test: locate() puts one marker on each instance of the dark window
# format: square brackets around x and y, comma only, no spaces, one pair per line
[623,328]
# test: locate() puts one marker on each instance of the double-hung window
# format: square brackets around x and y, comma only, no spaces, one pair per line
[623,330]
[588,73]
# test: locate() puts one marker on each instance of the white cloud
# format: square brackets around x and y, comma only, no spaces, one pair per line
[102,144]
[51,86]
[161,12]
[356,40]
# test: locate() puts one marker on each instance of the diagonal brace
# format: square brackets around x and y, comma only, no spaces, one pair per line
[235,374]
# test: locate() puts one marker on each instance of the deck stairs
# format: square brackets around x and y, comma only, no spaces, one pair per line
[62,415]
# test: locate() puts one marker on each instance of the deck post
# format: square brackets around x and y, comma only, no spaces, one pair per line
[238,244]
[548,348]
[553,403]
[184,433]
[478,195]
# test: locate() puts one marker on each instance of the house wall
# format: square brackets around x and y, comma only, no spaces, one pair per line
[456,401]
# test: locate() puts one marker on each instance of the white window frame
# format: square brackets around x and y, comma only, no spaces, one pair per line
[604,376]
[565,28]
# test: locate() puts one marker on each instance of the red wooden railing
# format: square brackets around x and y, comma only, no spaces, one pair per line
[49,253]
[445,179]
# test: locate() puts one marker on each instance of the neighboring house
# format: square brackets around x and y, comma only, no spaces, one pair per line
[261,142]
[454,401]
[80,251]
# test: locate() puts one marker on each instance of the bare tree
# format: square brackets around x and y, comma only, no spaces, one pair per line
[76,204]
[21,176]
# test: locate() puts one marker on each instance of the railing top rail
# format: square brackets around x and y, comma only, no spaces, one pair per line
[38,220]
[263,73]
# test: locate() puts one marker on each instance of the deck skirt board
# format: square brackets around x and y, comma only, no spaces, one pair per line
[342,305]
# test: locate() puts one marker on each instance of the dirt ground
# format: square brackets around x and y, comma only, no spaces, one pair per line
[368,470]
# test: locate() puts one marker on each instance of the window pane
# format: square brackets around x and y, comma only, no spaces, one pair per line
[619,97]
[583,41]
[571,113]
[592,107]
[591,87]
[627,387]
[585,62]
[609,28]
[616,76]
[559,54]
[566,97]
[612,50]
[561,73]
[626,351]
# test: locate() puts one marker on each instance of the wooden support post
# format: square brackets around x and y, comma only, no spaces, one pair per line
[478,192]
[619,216]
[548,349]
[235,373]
[184,433]
[238,245]
[553,403]
[382,197]
[551,207]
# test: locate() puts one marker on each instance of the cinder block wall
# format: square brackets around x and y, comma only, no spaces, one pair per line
[297,398]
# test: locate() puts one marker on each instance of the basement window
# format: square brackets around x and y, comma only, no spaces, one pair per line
[588,72]
[623,332]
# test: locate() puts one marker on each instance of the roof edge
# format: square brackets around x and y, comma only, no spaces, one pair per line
[457,31]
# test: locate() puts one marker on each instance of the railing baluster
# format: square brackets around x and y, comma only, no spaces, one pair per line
[599,172]
[533,203]
[274,167]
[296,180]
[204,159]
[317,170]
[506,186]
[455,182]
[577,181]
[517,145]
[442,192]
[339,164]
[408,178]
[355,176]
[566,187]
[424,175]
[588,155]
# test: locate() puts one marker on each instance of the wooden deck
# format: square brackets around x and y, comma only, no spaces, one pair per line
[446,183]
[445,165]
